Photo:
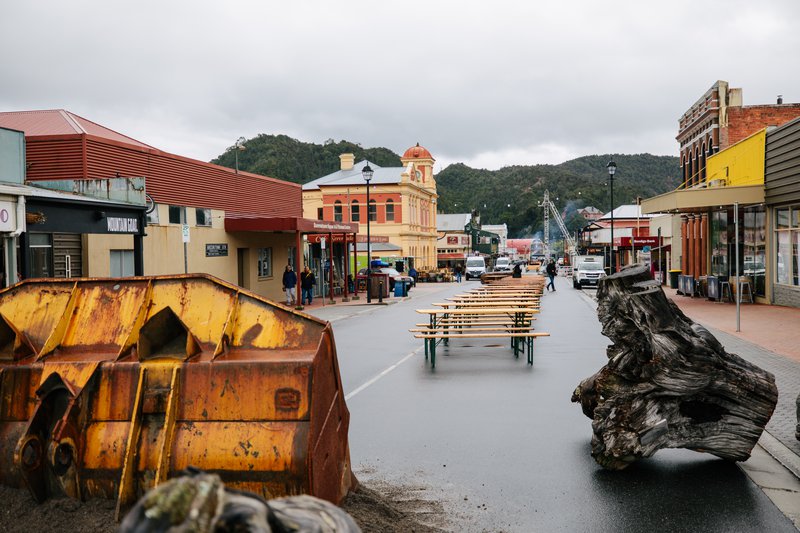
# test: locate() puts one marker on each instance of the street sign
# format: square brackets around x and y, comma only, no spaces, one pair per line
[185,232]
[322,242]
[646,249]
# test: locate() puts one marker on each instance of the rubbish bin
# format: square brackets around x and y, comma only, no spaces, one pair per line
[400,289]
[673,278]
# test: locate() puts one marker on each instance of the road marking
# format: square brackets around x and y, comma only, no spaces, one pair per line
[382,374]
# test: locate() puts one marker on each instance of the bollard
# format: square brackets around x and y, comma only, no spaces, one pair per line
[380,291]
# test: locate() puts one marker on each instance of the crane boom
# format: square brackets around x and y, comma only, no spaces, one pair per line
[550,208]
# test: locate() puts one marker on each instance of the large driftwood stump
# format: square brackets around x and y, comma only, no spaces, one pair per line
[668,382]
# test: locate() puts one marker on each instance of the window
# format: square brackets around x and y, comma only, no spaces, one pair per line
[265,262]
[41,255]
[121,263]
[202,216]
[177,214]
[373,211]
[787,235]
[389,211]
[355,213]
[320,215]
[152,216]
[337,211]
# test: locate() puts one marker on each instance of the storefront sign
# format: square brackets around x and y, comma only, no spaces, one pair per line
[122,225]
[338,237]
[638,241]
[216,250]
[8,216]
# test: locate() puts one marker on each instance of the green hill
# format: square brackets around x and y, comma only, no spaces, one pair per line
[509,195]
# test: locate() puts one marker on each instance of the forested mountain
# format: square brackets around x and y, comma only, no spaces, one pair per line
[282,157]
[509,195]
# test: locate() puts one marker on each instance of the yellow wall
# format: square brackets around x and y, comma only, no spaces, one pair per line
[163,252]
[741,164]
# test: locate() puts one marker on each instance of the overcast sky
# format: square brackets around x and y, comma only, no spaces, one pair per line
[489,84]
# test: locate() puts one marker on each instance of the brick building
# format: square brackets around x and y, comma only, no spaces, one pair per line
[717,120]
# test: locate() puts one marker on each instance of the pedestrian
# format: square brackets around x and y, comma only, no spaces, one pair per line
[414,274]
[551,273]
[307,282]
[289,284]
[458,269]
[517,273]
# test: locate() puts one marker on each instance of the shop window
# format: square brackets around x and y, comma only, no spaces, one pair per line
[177,214]
[121,263]
[337,211]
[264,267]
[373,211]
[152,216]
[787,235]
[41,255]
[389,211]
[355,211]
[202,216]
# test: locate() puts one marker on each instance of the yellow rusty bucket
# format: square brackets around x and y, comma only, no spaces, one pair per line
[110,386]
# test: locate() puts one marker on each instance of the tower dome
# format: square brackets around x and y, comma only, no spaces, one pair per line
[417,152]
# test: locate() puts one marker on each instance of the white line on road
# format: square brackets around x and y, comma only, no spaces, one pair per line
[379,376]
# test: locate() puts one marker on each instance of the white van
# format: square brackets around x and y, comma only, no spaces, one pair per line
[475,267]
[502,264]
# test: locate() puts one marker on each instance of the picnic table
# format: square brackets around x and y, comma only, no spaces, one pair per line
[446,323]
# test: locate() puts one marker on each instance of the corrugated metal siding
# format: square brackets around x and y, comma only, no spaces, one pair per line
[782,164]
[67,244]
[170,179]
[54,159]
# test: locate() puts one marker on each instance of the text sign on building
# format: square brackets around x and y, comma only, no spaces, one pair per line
[639,241]
[217,250]
[8,216]
[122,225]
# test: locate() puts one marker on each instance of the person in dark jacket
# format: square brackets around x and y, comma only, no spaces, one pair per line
[517,272]
[289,284]
[551,273]
[307,282]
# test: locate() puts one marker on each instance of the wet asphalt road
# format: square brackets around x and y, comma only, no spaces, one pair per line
[500,444]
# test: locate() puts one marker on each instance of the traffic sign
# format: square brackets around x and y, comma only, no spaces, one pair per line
[185,232]
[646,249]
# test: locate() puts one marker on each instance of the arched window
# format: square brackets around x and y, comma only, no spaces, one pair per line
[389,211]
[355,212]
[373,211]
[337,211]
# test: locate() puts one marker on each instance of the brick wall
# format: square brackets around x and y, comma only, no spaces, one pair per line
[744,121]
[788,296]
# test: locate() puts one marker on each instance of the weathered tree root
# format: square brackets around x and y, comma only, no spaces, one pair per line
[668,382]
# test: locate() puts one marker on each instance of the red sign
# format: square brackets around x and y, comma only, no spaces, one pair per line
[639,242]
[316,238]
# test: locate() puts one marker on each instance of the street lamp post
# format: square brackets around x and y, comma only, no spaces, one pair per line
[366,172]
[612,169]
[238,147]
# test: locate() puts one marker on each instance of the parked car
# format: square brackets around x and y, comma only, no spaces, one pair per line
[476,267]
[502,264]
[394,275]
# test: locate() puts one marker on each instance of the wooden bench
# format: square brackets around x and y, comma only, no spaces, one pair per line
[526,336]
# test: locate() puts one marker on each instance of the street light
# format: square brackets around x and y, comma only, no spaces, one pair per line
[367,173]
[612,169]
[238,147]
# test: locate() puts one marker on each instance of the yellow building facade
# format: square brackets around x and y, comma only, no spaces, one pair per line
[402,205]
[741,164]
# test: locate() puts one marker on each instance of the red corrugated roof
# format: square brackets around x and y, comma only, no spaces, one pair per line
[61,145]
[60,122]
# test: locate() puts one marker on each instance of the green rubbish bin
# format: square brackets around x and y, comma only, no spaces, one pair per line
[673,278]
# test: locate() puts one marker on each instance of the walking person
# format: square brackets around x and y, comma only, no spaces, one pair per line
[551,273]
[289,284]
[307,282]
[457,271]
[517,272]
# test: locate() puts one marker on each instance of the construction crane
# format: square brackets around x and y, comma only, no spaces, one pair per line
[550,208]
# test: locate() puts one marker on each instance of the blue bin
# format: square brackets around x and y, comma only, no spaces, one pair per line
[400,288]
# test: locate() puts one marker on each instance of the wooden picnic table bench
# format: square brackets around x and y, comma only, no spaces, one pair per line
[441,320]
